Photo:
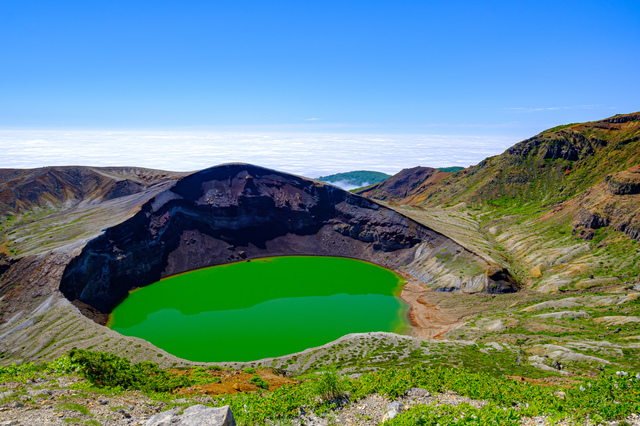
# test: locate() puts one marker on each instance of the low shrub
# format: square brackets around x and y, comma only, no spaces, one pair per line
[330,385]
[105,369]
[259,382]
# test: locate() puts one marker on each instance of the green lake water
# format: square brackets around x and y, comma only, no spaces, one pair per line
[263,308]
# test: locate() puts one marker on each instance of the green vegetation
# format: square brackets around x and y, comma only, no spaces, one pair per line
[259,382]
[330,385]
[608,396]
[357,178]
[108,370]
[462,414]
[73,406]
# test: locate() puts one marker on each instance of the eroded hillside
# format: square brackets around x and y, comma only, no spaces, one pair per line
[559,209]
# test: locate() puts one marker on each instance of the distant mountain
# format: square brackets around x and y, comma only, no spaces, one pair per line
[450,169]
[355,179]
[362,178]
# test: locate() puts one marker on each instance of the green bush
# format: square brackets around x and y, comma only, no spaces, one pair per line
[105,369]
[259,382]
[330,385]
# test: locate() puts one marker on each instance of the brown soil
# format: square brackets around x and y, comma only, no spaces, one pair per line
[546,381]
[233,381]
[4,250]
[428,320]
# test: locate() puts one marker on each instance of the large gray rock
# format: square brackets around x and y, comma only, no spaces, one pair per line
[392,410]
[196,415]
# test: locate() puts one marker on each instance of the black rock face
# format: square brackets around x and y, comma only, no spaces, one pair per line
[230,213]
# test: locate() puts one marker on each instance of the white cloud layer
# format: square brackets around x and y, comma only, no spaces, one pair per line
[348,186]
[307,154]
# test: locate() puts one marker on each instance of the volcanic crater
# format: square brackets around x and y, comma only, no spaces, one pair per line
[215,216]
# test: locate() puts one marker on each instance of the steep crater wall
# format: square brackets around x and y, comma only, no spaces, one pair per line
[230,213]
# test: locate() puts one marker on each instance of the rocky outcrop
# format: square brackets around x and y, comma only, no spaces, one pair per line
[585,222]
[624,183]
[235,212]
[499,280]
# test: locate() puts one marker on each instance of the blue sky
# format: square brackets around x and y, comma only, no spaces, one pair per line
[503,69]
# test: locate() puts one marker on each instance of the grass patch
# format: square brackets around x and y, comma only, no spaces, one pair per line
[74,407]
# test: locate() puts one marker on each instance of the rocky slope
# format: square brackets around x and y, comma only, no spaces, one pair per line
[38,191]
[94,251]
[559,209]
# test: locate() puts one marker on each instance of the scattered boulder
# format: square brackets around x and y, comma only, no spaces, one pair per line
[196,415]
[392,410]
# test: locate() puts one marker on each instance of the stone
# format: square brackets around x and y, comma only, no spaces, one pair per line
[163,419]
[392,410]
[418,393]
[196,415]
[123,413]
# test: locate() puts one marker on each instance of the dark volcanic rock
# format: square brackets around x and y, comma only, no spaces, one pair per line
[622,187]
[232,212]
[500,281]
[589,220]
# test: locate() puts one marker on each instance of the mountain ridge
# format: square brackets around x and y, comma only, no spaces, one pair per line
[570,194]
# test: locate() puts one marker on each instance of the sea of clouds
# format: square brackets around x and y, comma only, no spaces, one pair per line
[347,186]
[306,154]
